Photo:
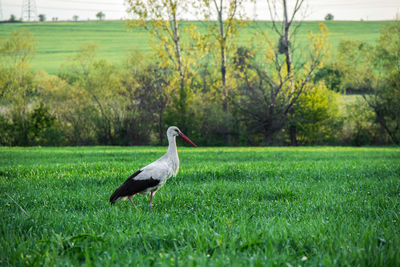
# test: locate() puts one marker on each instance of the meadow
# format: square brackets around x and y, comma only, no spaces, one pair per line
[261,206]
[56,42]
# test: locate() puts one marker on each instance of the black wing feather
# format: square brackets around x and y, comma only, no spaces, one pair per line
[132,186]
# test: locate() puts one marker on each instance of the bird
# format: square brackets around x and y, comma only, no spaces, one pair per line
[152,177]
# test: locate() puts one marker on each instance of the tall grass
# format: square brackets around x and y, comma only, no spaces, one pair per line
[226,207]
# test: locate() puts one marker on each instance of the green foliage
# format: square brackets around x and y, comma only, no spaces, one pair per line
[37,127]
[16,77]
[354,63]
[92,101]
[385,98]
[316,116]
[267,91]
[100,15]
[221,39]
[147,90]
[22,122]
[17,49]
[12,18]
[71,107]
[374,71]
[98,103]
[42,18]
[351,71]
[162,20]
[329,16]
[43,128]
[360,128]
[227,206]
[332,75]
[100,93]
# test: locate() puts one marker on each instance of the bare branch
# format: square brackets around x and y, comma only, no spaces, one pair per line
[273,13]
[296,9]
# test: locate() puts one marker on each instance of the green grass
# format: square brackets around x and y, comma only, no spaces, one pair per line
[227,207]
[58,41]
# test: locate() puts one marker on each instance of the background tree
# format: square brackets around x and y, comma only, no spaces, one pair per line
[97,85]
[146,87]
[371,71]
[100,15]
[360,127]
[71,106]
[18,49]
[351,71]
[24,120]
[12,18]
[42,17]
[354,62]
[271,87]
[75,18]
[16,53]
[316,116]
[161,18]
[228,18]
[329,16]
[385,96]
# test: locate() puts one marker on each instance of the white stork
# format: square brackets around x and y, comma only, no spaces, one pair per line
[152,177]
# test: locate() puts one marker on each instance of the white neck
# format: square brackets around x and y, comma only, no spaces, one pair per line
[172,154]
[172,150]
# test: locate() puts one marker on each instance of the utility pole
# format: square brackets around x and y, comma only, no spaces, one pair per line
[29,11]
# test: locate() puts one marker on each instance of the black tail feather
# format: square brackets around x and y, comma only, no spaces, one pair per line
[115,196]
[131,187]
[125,189]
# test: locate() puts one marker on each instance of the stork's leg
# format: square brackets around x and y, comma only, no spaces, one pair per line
[130,199]
[151,200]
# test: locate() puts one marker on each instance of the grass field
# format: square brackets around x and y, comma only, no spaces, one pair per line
[227,207]
[58,41]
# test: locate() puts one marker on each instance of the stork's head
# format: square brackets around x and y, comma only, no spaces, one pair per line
[174,131]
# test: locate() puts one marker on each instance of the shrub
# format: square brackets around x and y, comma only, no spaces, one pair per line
[317,118]
[359,128]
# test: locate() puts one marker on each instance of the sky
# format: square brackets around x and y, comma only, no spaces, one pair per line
[116,9]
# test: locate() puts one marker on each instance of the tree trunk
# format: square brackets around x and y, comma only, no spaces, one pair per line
[286,42]
[293,135]
[160,128]
[381,120]
[182,105]
[225,92]
[272,125]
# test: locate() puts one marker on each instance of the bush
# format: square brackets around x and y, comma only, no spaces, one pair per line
[331,75]
[329,16]
[37,127]
[360,128]
[317,118]
[44,128]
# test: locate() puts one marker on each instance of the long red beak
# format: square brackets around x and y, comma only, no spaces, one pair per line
[184,137]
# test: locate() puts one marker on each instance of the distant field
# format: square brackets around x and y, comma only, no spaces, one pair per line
[271,206]
[57,41]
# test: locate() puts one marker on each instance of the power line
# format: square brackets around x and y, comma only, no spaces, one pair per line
[29,10]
